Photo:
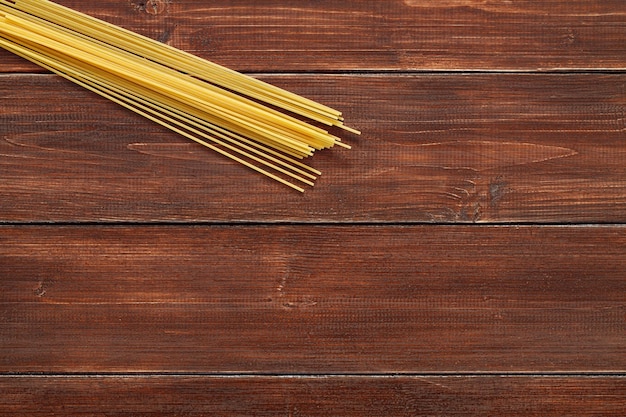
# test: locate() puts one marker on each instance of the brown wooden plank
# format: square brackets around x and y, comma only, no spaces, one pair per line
[435,148]
[325,35]
[312,299]
[314,396]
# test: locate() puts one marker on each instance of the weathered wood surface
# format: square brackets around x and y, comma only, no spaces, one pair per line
[314,396]
[312,299]
[472,111]
[435,148]
[327,35]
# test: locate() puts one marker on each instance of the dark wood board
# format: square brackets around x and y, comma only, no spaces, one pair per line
[314,396]
[435,148]
[466,257]
[312,299]
[396,35]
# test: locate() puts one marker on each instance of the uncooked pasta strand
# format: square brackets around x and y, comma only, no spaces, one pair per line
[178,59]
[203,101]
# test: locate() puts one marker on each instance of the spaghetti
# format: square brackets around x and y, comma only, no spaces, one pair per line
[261,126]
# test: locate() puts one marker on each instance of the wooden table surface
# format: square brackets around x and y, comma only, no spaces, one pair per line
[466,257]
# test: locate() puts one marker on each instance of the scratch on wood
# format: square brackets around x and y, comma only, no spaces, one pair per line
[299,303]
[453,196]
[430,381]
[30,141]
[485,155]
[185,151]
[509,6]
[462,190]
[447,3]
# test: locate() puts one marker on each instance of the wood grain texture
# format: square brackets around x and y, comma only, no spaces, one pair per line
[314,396]
[325,35]
[435,148]
[246,299]
[312,299]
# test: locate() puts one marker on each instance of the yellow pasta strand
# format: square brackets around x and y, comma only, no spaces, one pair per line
[233,114]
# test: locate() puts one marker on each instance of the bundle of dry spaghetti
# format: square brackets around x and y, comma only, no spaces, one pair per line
[259,125]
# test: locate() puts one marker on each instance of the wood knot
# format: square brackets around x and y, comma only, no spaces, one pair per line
[153,7]
[42,288]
